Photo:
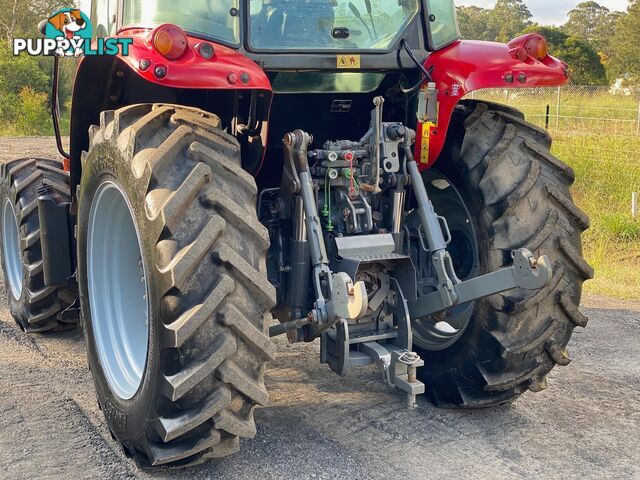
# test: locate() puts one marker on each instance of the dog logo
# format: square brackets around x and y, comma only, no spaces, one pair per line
[67,33]
[72,25]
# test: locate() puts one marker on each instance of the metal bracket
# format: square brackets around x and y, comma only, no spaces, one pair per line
[404,365]
[389,349]
[526,272]
[398,367]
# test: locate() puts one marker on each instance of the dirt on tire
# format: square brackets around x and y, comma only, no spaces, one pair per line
[519,196]
[209,298]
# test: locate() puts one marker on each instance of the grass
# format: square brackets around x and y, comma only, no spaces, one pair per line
[598,135]
[607,172]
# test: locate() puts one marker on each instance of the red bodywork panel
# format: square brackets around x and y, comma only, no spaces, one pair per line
[458,69]
[191,70]
[469,65]
[227,70]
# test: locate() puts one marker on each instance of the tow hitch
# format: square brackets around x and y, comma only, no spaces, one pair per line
[391,348]
[394,357]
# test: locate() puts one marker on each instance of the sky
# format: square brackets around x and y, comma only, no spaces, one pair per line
[547,12]
[551,12]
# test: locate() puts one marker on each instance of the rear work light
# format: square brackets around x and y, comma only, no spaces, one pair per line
[531,45]
[170,41]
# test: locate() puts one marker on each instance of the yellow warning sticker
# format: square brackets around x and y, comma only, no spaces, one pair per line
[425,142]
[349,61]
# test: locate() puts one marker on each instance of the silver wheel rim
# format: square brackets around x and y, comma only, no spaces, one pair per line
[117,285]
[11,249]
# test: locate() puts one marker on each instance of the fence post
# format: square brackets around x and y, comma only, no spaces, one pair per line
[634,205]
[558,110]
[546,117]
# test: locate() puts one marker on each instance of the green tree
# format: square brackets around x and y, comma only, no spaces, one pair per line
[625,61]
[19,72]
[21,17]
[502,23]
[594,23]
[25,80]
[34,116]
[584,62]
[508,19]
[23,93]
[474,22]
[585,20]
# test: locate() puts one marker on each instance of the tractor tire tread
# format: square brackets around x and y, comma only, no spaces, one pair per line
[211,265]
[527,202]
[39,306]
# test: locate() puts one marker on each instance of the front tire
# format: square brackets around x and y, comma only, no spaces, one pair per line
[518,195]
[34,306]
[200,251]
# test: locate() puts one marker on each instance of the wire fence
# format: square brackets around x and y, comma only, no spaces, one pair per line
[574,108]
[595,129]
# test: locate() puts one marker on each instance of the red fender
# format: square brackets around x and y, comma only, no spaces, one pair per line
[227,70]
[193,71]
[468,65]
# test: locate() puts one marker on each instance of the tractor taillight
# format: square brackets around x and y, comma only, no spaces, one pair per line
[537,47]
[531,45]
[169,41]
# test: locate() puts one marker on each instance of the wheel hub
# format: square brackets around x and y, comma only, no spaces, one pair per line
[442,330]
[117,287]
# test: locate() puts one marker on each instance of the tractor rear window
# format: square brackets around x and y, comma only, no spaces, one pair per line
[329,24]
[212,18]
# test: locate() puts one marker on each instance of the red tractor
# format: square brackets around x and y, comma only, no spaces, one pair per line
[307,163]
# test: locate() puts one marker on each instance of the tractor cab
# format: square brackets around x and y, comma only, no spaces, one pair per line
[283,26]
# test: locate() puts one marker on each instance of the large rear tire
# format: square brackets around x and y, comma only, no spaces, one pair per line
[33,305]
[180,375]
[518,195]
